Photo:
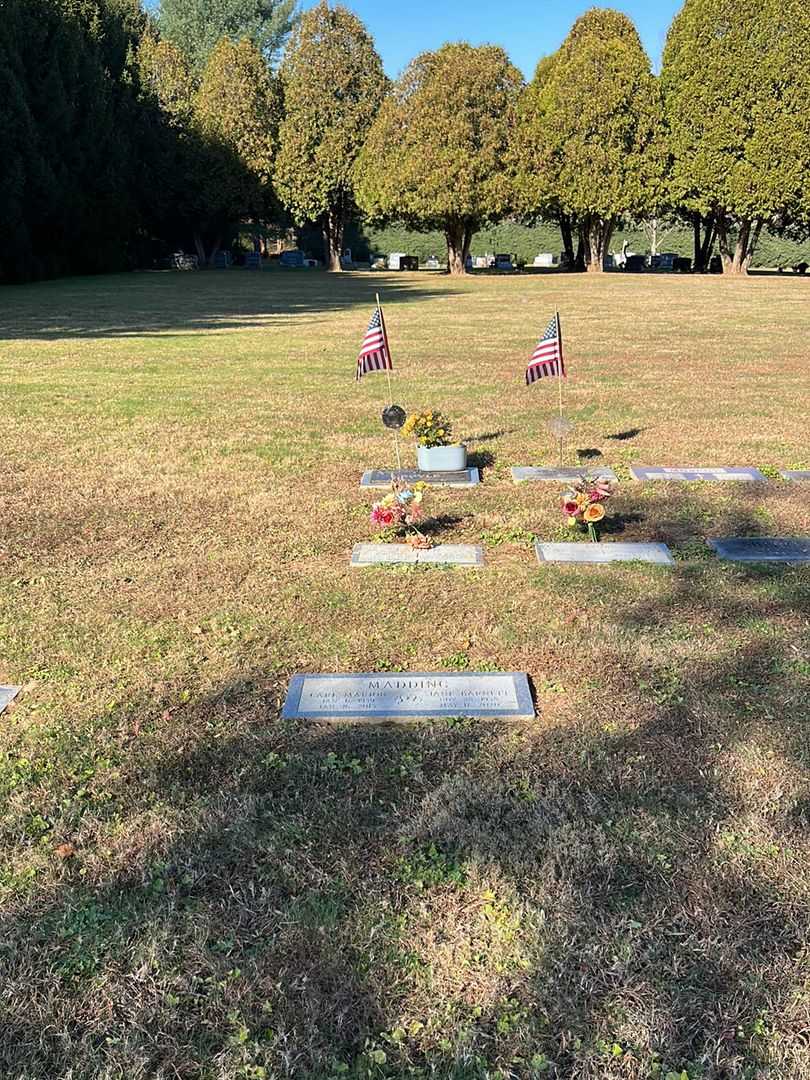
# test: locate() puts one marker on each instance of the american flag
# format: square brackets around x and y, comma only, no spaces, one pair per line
[374,353]
[547,358]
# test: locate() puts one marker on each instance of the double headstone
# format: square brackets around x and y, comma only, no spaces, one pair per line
[383,478]
[410,696]
[742,474]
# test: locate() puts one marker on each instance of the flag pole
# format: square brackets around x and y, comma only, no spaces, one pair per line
[559,380]
[388,376]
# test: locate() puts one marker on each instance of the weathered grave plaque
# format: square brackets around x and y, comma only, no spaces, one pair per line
[406,696]
[796,474]
[604,553]
[521,474]
[7,695]
[442,554]
[656,472]
[781,549]
[383,478]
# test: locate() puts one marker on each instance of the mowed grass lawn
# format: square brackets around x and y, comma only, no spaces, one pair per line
[192,888]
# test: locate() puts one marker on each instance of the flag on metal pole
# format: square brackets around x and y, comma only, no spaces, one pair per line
[374,352]
[547,358]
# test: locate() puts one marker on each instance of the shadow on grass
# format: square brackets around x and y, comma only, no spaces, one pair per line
[608,897]
[160,303]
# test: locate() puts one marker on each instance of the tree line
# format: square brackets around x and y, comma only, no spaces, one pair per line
[127,132]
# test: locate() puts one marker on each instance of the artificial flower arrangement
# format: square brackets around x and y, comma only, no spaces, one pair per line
[397,514]
[584,504]
[429,429]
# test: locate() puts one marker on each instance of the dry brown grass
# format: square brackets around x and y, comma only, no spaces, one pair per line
[616,892]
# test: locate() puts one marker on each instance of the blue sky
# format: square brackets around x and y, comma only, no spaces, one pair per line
[527,29]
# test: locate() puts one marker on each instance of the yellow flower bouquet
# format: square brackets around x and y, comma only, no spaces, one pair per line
[429,429]
[584,504]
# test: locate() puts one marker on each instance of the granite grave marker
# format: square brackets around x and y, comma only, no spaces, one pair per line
[656,472]
[781,549]
[383,478]
[604,553]
[409,696]
[442,554]
[7,695]
[521,474]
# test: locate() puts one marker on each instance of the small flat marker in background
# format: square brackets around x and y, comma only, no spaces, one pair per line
[796,474]
[743,474]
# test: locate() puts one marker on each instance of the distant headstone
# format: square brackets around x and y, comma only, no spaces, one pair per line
[409,696]
[780,549]
[521,474]
[604,553]
[7,695]
[796,474]
[253,260]
[222,260]
[442,554]
[383,478]
[654,472]
[292,258]
[545,258]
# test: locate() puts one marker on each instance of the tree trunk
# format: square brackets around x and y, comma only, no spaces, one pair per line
[599,232]
[709,237]
[217,244]
[583,256]
[567,234]
[459,236]
[332,227]
[737,262]
[200,247]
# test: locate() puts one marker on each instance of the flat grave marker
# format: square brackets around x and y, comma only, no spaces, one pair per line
[521,474]
[383,478]
[604,553]
[7,695]
[441,555]
[796,474]
[743,474]
[780,549]
[410,696]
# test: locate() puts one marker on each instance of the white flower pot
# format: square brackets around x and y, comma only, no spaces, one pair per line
[442,458]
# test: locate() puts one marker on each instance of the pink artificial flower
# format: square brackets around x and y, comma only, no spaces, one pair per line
[386,517]
[570,508]
[376,515]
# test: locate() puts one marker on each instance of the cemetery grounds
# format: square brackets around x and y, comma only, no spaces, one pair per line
[191,887]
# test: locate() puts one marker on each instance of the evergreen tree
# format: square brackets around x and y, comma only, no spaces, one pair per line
[591,133]
[436,155]
[333,85]
[736,86]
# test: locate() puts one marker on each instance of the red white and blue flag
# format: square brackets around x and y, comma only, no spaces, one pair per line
[547,358]
[374,353]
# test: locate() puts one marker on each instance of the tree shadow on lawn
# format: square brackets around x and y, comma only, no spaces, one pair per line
[686,515]
[160,304]
[284,894]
